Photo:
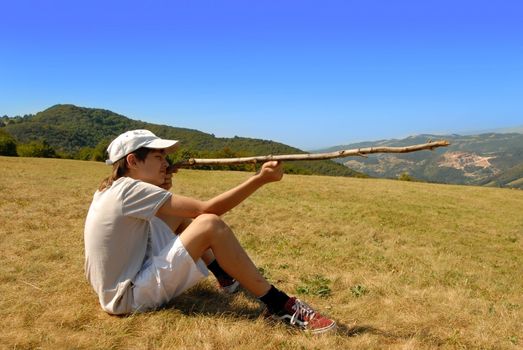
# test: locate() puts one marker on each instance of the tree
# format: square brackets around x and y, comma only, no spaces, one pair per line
[7,144]
[99,153]
[39,149]
[405,177]
[85,153]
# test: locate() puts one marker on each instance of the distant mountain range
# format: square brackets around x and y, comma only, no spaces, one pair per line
[516,129]
[84,133]
[489,159]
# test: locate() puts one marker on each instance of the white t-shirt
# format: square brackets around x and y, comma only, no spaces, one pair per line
[116,235]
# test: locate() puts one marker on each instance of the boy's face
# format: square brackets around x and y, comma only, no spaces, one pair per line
[153,168]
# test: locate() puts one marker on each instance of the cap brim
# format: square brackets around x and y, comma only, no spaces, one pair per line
[168,145]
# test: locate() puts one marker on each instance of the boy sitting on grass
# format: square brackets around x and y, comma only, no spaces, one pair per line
[142,249]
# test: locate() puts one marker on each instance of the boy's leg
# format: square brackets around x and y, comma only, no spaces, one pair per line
[226,283]
[178,225]
[210,232]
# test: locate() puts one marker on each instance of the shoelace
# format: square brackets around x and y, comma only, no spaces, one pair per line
[302,312]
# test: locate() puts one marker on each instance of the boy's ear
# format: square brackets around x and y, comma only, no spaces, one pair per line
[131,161]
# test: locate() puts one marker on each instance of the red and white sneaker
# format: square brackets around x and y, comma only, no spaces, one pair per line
[298,314]
[228,285]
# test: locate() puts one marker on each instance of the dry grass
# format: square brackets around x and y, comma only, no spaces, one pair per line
[400,265]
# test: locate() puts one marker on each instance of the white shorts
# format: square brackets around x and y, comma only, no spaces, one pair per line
[168,271]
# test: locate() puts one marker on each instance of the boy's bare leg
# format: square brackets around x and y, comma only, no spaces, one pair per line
[208,231]
[178,225]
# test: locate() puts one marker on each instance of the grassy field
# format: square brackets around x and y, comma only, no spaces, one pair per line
[399,265]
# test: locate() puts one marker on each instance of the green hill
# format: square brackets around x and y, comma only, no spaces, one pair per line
[78,132]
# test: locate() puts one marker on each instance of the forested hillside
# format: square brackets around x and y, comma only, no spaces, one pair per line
[70,131]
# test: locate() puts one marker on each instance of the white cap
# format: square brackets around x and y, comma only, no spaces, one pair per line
[130,141]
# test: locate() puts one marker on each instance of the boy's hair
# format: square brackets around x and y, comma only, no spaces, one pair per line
[120,167]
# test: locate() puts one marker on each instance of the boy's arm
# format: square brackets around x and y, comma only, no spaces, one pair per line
[191,208]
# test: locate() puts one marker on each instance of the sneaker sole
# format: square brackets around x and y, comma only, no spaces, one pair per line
[233,288]
[301,326]
[329,328]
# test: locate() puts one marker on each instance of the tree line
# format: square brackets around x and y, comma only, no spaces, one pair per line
[9,146]
[68,131]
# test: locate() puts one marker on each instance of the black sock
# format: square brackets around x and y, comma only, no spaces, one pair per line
[274,299]
[217,270]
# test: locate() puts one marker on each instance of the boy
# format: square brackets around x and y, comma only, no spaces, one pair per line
[135,262]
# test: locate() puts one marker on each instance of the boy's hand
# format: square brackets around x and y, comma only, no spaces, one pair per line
[271,171]
[168,182]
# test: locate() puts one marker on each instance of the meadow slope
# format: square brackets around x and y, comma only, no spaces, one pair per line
[399,265]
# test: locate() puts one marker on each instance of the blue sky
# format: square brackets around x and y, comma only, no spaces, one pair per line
[306,73]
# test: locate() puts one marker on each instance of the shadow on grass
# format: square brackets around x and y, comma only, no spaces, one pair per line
[352,331]
[208,301]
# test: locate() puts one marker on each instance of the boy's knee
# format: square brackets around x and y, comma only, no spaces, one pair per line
[210,222]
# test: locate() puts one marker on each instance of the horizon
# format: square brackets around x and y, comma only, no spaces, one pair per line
[512,129]
[308,74]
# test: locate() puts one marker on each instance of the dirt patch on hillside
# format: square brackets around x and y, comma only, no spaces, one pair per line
[462,160]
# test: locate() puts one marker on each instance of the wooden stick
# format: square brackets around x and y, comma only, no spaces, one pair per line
[311,156]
